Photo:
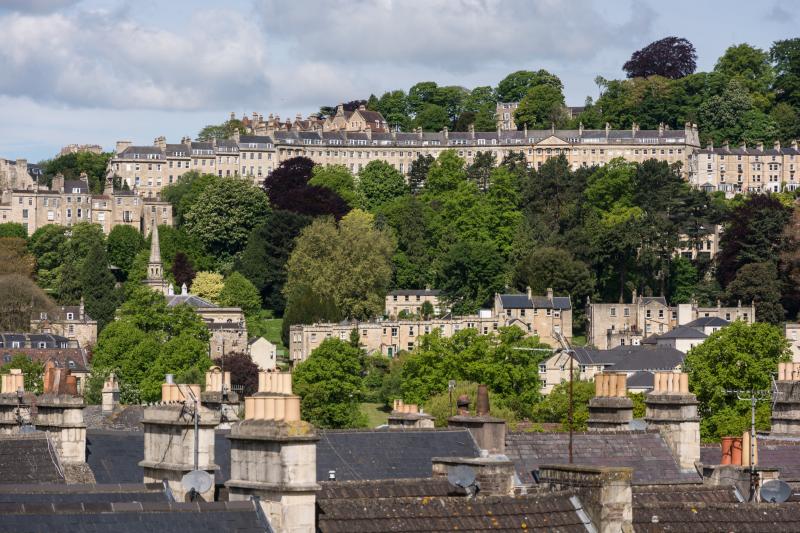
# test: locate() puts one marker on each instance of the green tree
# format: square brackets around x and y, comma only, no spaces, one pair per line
[432,117]
[222,131]
[208,285]
[148,341]
[33,371]
[554,408]
[739,357]
[410,218]
[84,236]
[224,213]
[379,183]
[124,242]
[22,298]
[542,107]
[239,292]
[758,283]
[469,273]
[749,64]
[338,179]
[13,229]
[348,264]
[418,171]
[329,384]
[184,192]
[71,166]
[98,286]
[516,85]
[263,260]
[785,56]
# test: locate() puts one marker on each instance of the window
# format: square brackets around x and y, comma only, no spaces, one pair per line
[613,311]
[542,368]
[647,313]
[626,311]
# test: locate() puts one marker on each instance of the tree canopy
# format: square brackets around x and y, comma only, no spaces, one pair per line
[670,57]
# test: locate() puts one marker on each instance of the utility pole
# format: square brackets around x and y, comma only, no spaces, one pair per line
[567,349]
[752,396]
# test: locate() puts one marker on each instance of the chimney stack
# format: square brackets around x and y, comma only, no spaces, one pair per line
[471,130]
[169,438]
[786,412]
[610,409]
[110,394]
[672,409]
[409,416]
[777,146]
[489,432]
[219,397]
[605,493]
[274,456]
[550,294]
[15,403]
[60,414]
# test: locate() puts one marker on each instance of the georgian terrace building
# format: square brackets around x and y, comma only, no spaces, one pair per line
[69,202]
[149,168]
[535,315]
[746,169]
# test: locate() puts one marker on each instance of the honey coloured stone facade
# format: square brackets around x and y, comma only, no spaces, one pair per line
[69,321]
[147,169]
[619,324]
[744,169]
[535,315]
[410,301]
[15,175]
[70,202]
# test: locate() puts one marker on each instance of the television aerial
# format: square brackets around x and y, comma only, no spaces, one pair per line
[775,491]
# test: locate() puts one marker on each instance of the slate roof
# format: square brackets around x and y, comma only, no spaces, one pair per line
[636,358]
[521,301]
[28,458]
[79,493]
[189,299]
[701,518]
[592,356]
[640,380]
[707,321]
[387,454]
[550,512]
[114,455]
[773,452]
[659,299]
[655,494]
[683,332]
[644,451]
[387,488]
[7,339]
[131,517]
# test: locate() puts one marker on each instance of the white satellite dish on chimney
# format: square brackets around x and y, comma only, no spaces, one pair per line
[197,482]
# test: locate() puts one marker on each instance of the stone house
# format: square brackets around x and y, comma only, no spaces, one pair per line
[411,301]
[70,321]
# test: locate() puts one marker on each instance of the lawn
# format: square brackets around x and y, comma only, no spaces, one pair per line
[376,416]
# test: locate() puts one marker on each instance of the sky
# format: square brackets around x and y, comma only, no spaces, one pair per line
[98,71]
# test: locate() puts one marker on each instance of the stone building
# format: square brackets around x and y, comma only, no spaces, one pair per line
[15,175]
[505,115]
[147,169]
[792,332]
[535,315]
[410,302]
[70,321]
[746,169]
[55,350]
[79,148]
[69,202]
[618,324]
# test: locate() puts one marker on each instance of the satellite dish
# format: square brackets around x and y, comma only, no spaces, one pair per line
[461,476]
[775,491]
[198,481]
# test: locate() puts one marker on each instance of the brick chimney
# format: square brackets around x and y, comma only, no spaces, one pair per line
[409,416]
[60,414]
[610,409]
[169,438]
[786,412]
[672,409]
[110,394]
[489,432]
[274,456]
[604,493]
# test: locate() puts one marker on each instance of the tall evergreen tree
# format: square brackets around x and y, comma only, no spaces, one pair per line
[97,285]
[182,270]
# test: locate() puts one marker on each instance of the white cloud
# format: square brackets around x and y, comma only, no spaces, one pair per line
[454,35]
[110,60]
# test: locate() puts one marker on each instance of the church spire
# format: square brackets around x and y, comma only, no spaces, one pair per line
[155,270]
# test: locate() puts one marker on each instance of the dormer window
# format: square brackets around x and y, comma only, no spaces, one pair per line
[70,316]
[76,190]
